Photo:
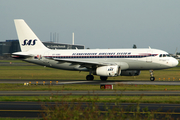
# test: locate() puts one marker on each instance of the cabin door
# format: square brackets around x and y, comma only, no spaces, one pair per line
[149,56]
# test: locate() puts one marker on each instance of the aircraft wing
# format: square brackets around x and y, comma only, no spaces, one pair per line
[88,64]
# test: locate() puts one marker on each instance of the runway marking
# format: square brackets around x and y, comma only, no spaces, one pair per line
[146,83]
[73,82]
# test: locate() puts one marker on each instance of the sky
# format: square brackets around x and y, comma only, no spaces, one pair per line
[97,23]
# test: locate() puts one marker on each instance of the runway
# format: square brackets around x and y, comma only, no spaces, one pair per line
[95,82]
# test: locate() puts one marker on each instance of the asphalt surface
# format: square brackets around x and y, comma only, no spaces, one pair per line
[35,109]
[97,82]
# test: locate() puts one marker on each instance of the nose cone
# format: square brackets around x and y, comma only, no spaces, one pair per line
[175,63]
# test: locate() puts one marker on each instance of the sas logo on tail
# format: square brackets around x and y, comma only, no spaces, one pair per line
[29,42]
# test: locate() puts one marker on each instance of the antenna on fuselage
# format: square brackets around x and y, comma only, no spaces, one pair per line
[73,38]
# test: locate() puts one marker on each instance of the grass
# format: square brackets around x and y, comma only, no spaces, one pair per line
[12,61]
[92,112]
[80,98]
[11,71]
[41,73]
[123,98]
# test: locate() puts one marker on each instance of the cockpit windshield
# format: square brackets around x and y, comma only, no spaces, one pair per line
[164,55]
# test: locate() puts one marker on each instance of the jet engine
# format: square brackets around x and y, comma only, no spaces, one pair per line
[130,72]
[108,71]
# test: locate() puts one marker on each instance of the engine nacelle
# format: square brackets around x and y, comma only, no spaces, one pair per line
[108,71]
[130,72]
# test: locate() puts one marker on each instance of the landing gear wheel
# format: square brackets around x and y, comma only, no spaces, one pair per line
[152,78]
[89,77]
[103,78]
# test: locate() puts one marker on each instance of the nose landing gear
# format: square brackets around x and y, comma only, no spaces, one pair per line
[152,78]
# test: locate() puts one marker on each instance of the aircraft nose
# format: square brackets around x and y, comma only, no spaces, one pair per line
[175,63]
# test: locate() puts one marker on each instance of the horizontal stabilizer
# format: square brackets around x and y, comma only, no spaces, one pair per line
[21,55]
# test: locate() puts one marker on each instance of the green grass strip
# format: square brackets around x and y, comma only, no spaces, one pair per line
[119,99]
[29,71]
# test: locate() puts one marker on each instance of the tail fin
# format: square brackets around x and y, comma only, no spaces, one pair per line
[27,39]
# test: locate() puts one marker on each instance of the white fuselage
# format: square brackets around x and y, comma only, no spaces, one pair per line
[127,59]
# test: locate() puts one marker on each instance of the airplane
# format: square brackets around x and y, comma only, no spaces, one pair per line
[176,55]
[102,62]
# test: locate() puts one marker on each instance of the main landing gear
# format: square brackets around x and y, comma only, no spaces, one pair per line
[152,78]
[103,78]
[91,77]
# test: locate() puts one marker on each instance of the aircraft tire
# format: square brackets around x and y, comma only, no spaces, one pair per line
[103,78]
[89,77]
[152,78]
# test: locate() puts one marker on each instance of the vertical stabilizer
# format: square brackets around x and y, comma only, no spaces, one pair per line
[27,39]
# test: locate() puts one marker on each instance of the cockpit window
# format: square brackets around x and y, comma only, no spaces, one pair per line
[164,55]
[167,55]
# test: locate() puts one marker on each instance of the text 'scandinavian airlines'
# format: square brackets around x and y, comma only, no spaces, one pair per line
[102,62]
